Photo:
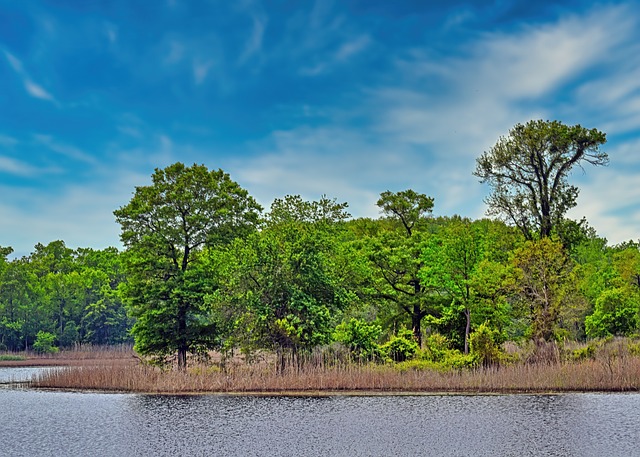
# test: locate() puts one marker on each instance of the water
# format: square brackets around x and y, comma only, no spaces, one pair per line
[78,424]
[20,374]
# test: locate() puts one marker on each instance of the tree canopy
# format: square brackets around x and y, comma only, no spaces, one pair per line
[528,173]
[164,228]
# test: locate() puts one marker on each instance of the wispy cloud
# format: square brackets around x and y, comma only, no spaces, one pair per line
[201,69]
[37,91]
[16,167]
[66,150]
[254,42]
[7,141]
[33,89]
[464,103]
[174,53]
[352,47]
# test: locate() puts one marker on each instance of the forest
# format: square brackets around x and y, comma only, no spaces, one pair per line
[204,268]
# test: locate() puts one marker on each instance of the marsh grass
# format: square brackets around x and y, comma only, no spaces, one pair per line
[614,366]
[589,375]
[77,355]
[11,358]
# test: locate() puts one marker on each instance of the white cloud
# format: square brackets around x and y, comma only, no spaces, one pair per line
[610,201]
[7,141]
[16,167]
[64,149]
[352,47]
[254,43]
[32,88]
[502,81]
[352,166]
[37,91]
[14,62]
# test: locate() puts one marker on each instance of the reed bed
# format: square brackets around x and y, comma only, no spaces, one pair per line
[77,355]
[587,375]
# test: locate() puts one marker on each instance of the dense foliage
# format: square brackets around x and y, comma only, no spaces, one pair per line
[205,269]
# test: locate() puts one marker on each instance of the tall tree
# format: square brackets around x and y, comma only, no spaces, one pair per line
[165,226]
[528,172]
[544,284]
[396,255]
[285,285]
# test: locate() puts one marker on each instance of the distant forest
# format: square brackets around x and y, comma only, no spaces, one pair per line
[206,268]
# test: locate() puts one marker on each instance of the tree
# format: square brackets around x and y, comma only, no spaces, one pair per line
[528,172]
[165,226]
[396,255]
[284,286]
[615,313]
[543,284]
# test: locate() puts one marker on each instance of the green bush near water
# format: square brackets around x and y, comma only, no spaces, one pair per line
[11,358]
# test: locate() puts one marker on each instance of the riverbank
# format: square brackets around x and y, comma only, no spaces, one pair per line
[583,376]
[80,356]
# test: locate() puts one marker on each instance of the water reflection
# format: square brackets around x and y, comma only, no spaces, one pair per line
[44,423]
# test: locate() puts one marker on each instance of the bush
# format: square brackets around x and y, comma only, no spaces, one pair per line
[44,343]
[586,353]
[436,348]
[484,346]
[11,358]
[360,337]
[401,347]
[615,313]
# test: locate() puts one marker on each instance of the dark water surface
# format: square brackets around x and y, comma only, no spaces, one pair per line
[37,423]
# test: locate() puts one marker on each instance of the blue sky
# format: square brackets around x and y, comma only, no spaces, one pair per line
[343,98]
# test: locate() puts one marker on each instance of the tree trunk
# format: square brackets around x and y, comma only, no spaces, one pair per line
[416,324]
[467,330]
[182,338]
[182,358]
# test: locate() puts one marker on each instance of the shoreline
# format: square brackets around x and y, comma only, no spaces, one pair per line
[328,393]
[124,373]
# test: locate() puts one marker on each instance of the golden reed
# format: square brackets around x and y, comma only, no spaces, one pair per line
[589,375]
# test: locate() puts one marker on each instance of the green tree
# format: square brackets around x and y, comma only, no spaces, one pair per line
[396,255]
[543,284]
[360,337]
[528,172]
[616,313]
[284,287]
[457,261]
[165,227]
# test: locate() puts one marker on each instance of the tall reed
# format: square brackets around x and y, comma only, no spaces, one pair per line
[588,375]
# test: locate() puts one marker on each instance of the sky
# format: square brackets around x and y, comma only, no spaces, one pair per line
[346,99]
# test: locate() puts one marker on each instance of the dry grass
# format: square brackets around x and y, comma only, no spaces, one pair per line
[618,374]
[78,355]
[615,367]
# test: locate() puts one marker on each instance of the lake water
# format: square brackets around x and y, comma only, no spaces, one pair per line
[40,423]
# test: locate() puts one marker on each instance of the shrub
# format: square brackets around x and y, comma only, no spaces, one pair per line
[484,347]
[615,313]
[587,352]
[360,337]
[437,347]
[12,358]
[401,347]
[45,343]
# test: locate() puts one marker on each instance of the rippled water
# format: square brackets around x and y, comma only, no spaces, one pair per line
[78,424]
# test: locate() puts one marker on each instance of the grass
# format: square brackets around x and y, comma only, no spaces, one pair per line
[78,355]
[613,367]
[588,375]
[11,358]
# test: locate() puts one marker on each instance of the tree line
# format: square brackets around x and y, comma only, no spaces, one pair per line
[206,268]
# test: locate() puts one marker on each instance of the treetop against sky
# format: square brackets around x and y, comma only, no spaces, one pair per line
[347,99]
